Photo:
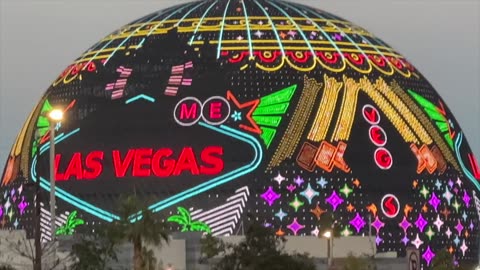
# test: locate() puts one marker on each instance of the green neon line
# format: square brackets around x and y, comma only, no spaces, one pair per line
[280,108]
[272,121]
[435,115]
[267,135]
[284,95]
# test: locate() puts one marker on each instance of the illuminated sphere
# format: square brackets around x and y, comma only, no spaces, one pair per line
[218,112]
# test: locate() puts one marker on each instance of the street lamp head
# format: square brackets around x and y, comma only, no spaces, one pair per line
[56,115]
[327,234]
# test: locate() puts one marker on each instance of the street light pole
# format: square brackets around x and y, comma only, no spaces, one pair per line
[55,116]
[329,236]
[52,179]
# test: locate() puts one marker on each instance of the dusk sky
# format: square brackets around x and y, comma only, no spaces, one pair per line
[38,39]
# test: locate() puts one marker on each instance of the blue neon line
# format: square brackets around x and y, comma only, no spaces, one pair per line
[274,29]
[248,29]
[341,31]
[158,24]
[200,22]
[133,32]
[319,28]
[71,199]
[110,41]
[221,179]
[219,48]
[364,38]
[58,137]
[148,98]
[296,26]
[188,13]
[470,177]
[168,17]
[107,216]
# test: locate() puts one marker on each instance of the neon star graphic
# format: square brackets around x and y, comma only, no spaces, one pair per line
[425,208]
[292,33]
[309,193]
[346,190]
[430,233]
[428,255]
[356,182]
[358,222]
[378,240]
[405,224]
[424,191]
[295,226]
[270,196]
[438,223]
[10,214]
[405,240]
[459,227]
[7,205]
[421,222]
[456,205]
[415,184]
[259,34]
[350,207]
[316,231]
[447,195]
[22,205]
[466,198]
[252,105]
[280,232]
[291,187]
[296,203]
[334,200]
[417,242]
[322,182]
[378,224]
[438,184]
[459,182]
[456,241]
[450,183]
[298,180]
[448,232]
[346,232]
[280,214]
[463,247]
[279,179]
[434,201]
[464,216]
[317,211]
[445,212]
[236,116]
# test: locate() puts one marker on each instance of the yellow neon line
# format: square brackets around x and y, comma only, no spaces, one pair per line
[325,110]
[207,28]
[242,18]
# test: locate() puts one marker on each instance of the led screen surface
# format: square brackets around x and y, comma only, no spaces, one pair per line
[215,111]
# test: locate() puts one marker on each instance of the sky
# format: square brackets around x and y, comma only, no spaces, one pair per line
[38,39]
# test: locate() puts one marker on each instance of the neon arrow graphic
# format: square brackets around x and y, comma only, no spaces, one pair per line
[138,97]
